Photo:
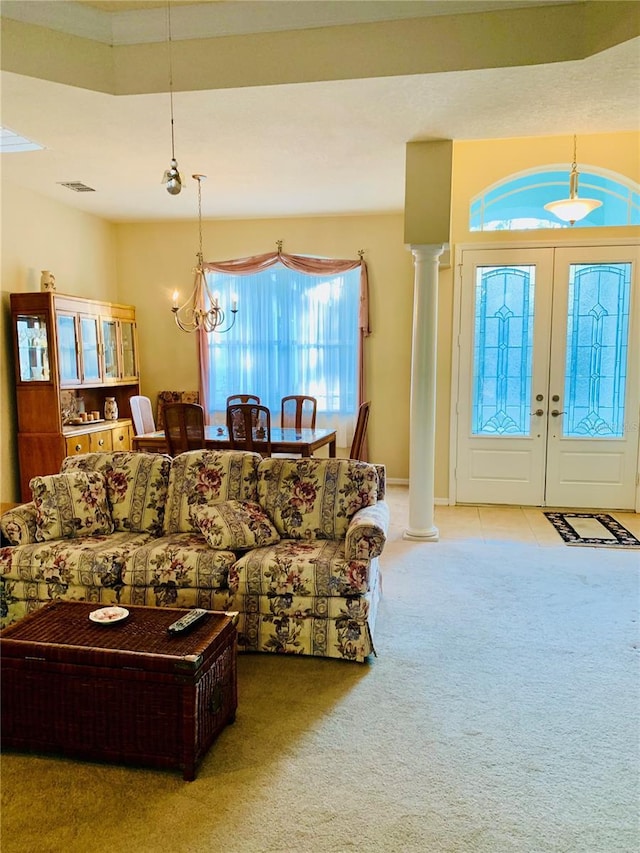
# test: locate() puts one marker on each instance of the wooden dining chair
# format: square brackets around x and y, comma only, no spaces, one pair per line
[242,398]
[166,397]
[141,414]
[358,443]
[183,427]
[298,411]
[249,427]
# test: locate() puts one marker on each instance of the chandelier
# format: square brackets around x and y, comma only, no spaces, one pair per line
[194,313]
[573,209]
[171,177]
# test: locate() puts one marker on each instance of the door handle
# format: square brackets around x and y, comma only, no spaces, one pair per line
[555,413]
[538,412]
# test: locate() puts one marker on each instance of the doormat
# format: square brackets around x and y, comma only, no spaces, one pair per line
[595,529]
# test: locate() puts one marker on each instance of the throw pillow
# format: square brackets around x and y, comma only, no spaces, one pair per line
[234,525]
[71,505]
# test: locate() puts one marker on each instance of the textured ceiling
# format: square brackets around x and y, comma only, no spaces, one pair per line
[311,148]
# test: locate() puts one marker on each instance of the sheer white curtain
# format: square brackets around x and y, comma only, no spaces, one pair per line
[297,333]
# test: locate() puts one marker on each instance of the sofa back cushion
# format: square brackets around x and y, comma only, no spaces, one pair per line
[315,498]
[71,505]
[208,477]
[137,486]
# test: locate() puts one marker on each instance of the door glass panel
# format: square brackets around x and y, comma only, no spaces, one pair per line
[68,348]
[109,338]
[597,340]
[128,351]
[33,347]
[503,343]
[89,337]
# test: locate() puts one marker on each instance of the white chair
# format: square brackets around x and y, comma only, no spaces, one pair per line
[142,414]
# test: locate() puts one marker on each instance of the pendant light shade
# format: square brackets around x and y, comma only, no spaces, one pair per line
[573,209]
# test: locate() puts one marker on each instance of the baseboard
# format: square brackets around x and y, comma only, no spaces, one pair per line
[398,481]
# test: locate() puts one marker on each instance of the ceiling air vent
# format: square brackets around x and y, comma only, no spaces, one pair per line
[77,186]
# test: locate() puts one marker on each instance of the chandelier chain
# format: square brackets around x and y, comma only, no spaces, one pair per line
[170,51]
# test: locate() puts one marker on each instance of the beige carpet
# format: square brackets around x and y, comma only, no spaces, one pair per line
[500,716]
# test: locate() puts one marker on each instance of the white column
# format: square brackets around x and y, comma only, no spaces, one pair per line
[422,427]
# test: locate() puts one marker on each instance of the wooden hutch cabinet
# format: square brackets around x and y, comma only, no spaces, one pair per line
[70,355]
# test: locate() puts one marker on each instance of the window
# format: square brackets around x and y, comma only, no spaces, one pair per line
[294,334]
[517,202]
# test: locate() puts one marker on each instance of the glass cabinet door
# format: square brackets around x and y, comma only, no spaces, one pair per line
[33,347]
[68,349]
[90,356]
[129,368]
[110,344]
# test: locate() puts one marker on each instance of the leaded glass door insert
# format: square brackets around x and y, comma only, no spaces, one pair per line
[503,350]
[549,377]
[597,344]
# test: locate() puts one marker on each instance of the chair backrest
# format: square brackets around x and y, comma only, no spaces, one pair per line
[298,411]
[166,397]
[249,427]
[142,414]
[357,445]
[242,398]
[183,427]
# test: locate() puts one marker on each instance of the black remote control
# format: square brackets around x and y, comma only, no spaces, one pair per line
[187,621]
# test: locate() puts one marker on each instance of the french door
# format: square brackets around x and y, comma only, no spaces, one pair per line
[549,377]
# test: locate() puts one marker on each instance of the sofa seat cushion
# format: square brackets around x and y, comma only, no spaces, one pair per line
[179,561]
[354,607]
[208,477]
[137,486]
[315,498]
[173,596]
[300,568]
[71,505]
[22,597]
[91,561]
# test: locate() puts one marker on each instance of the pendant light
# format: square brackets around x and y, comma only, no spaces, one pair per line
[171,177]
[573,209]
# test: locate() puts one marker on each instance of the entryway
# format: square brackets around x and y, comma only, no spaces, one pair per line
[548,377]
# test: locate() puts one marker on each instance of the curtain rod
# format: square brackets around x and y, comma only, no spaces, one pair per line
[280,242]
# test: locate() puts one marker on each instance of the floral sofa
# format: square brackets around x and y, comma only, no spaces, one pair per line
[291,544]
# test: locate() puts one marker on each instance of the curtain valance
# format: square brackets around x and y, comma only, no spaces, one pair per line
[303,264]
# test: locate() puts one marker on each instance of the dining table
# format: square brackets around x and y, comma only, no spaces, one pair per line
[283,440]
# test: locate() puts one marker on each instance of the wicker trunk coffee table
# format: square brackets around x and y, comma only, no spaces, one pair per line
[125,692]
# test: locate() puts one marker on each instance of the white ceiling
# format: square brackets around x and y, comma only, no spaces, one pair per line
[297,149]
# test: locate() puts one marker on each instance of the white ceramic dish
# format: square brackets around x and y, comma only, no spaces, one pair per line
[108,615]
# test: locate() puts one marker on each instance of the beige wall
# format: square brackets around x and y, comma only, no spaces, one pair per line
[149,260]
[79,249]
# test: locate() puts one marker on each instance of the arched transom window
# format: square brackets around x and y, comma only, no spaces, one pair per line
[517,202]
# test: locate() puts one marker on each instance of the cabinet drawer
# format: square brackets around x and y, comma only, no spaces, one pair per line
[121,438]
[100,441]
[77,444]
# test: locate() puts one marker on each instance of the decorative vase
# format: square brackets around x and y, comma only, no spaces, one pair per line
[47,280]
[110,409]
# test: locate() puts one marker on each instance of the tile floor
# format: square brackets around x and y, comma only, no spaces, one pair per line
[486,523]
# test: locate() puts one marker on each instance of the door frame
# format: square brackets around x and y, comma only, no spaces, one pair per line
[457,318]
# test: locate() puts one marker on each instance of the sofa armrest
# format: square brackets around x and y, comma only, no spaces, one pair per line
[367,532]
[18,525]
